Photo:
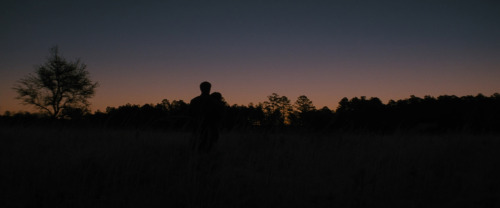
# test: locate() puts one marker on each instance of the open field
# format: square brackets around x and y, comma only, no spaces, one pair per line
[72,167]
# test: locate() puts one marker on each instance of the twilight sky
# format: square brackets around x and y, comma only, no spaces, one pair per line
[144,51]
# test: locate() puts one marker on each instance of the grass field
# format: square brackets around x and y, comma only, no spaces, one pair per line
[73,167]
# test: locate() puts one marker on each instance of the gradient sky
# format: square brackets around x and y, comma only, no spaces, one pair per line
[144,51]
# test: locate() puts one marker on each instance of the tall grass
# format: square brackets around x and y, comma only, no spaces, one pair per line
[73,167]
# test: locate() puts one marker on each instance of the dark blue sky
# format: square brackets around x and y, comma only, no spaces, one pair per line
[144,51]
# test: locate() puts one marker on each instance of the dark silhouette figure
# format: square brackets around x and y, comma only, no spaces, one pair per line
[205,111]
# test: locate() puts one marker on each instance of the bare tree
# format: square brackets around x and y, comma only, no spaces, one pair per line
[57,85]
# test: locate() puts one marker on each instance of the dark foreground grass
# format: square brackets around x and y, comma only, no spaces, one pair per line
[58,167]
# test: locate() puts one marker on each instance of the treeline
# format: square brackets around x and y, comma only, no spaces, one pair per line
[442,114]
[447,113]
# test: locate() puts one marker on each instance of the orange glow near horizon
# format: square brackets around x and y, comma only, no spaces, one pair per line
[322,90]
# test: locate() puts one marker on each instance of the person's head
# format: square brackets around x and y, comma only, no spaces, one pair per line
[205,88]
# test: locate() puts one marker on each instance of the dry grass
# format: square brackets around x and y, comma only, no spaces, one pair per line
[108,168]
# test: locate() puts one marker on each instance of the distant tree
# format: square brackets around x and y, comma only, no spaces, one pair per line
[302,110]
[164,105]
[57,85]
[360,113]
[277,108]
[344,105]
[178,107]
[303,104]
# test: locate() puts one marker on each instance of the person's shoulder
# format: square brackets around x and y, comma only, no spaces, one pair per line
[195,103]
[196,99]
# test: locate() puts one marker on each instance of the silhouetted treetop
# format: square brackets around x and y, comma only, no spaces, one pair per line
[277,109]
[58,86]
[303,104]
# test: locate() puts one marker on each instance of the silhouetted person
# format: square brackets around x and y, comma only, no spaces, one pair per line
[205,111]
[220,108]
